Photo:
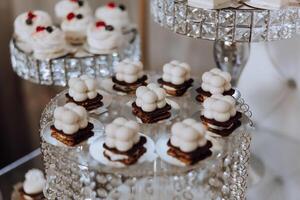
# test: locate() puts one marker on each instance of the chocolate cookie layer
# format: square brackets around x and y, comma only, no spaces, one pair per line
[223,129]
[203,94]
[193,157]
[74,139]
[89,104]
[133,154]
[178,90]
[151,117]
[122,86]
[25,196]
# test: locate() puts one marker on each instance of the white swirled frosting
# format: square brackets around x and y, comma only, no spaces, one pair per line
[48,44]
[102,37]
[26,23]
[188,135]
[64,7]
[83,88]
[216,81]
[208,3]
[129,71]
[70,118]
[220,108]
[75,26]
[34,182]
[151,97]
[176,72]
[114,15]
[122,134]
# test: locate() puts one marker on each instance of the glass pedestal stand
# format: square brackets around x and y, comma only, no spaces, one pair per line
[73,174]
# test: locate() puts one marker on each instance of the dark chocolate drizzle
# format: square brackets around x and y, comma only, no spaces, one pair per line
[89,104]
[179,89]
[151,117]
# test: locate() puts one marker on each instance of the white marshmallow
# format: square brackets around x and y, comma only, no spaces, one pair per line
[70,118]
[220,108]
[83,88]
[129,71]
[188,135]
[151,97]
[34,182]
[216,81]
[122,134]
[176,72]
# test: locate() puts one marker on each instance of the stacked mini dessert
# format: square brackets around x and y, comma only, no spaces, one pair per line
[150,105]
[34,31]
[176,79]
[83,91]
[71,125]
[129,75]
[32,188]
[123,143]
[220,115]
[214,81]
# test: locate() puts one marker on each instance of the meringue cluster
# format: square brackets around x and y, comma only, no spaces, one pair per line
[151,97]
[122,134]
[188,135]
[129,71]
[35,32]
[70,118]
[34,182]
[266,4]
[83,88]
[220,108]
[176,72]
[216,81]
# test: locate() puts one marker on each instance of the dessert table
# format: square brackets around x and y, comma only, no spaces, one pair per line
[279,178]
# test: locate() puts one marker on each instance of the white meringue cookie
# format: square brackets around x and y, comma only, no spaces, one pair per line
[188,135]
[124,134]
[176,72]
[34,182]
[64,7]
[110,142]
[149,97]
[141,91]
[139,102]
[111,129]
[216,82]
[148,107]
[70,118]
[178,80]
[130,78]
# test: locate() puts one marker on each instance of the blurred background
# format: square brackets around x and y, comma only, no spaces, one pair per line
[269,85]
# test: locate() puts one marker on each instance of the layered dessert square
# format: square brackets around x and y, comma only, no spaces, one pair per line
[188,143]
[220,115]
[151,105]
[71,125]
[129,75]
[214,81]
[176,79]
[123,143]
[83,92]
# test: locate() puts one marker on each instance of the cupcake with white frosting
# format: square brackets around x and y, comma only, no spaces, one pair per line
[123,143]
[25,25]
[64,7]
[150,105]
[33,185]
[129,75]
[75,27]
[71,124]
[176,79]
[48,43]
[220,115]
[83,91]
[114,14]
[103,38]
[214,81]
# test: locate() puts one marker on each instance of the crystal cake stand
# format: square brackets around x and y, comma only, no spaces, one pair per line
[245,24]
[59,71]
[73,174]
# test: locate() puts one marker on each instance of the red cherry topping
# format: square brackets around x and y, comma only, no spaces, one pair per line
[100,24]
[31,15]
[70,16]
[111,5]
[73,0]
[40,28]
